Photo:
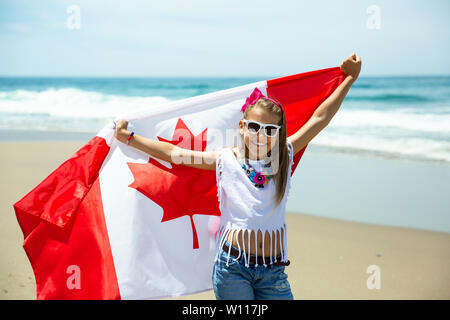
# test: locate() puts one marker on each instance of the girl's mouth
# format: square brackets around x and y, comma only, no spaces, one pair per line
[258,144]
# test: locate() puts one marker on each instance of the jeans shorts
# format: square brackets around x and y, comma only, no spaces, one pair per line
[255,282]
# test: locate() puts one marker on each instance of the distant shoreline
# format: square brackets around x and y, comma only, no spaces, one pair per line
[21,135]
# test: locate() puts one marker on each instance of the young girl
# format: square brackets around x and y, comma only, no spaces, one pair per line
[253,182]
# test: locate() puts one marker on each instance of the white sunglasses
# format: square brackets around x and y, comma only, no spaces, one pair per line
[253,127]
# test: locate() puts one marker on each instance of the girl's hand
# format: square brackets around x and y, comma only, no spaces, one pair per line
[121,133]
[351,66]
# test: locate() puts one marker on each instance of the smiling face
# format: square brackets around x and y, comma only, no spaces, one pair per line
[259,144]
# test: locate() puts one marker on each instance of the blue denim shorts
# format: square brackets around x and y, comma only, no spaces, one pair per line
[255,282]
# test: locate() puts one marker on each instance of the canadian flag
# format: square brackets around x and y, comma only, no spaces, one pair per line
[112,222]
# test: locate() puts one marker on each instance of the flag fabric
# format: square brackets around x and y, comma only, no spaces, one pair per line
[112,222]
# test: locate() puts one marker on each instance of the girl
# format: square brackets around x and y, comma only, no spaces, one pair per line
[253,182]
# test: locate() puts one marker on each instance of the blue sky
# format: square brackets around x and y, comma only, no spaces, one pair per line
[222,38]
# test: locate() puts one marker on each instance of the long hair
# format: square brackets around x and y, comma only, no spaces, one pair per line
[279,155]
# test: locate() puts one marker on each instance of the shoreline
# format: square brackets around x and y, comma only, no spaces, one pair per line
[37,136]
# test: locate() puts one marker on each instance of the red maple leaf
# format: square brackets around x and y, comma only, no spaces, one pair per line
[180,190]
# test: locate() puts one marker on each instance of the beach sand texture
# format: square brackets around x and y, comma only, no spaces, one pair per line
[329,258]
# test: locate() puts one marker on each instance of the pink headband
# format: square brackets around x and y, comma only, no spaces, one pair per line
[254,97]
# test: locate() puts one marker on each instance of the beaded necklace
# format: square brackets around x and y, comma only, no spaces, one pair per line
[258,178]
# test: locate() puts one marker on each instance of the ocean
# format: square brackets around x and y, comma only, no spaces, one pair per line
[406,117]
[383,159]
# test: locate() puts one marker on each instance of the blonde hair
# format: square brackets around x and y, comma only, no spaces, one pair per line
[280,177]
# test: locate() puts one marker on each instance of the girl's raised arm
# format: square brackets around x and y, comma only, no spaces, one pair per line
[326,111]
[167,151]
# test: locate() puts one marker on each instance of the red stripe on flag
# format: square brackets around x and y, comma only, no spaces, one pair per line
[65,235]
[301,94]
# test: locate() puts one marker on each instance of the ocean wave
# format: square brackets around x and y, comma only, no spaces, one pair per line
[70,102]
[391,97]
[180,86]
[401,119]
[419,132]
[416,148]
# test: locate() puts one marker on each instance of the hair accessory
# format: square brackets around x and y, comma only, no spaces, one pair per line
[254,97]
[129,137]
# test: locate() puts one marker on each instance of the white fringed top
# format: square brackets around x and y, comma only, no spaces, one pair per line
[245,207]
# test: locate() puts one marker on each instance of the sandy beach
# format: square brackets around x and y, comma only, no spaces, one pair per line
[329,258]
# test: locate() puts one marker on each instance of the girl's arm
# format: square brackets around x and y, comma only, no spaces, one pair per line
[326,111]
[166,151]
